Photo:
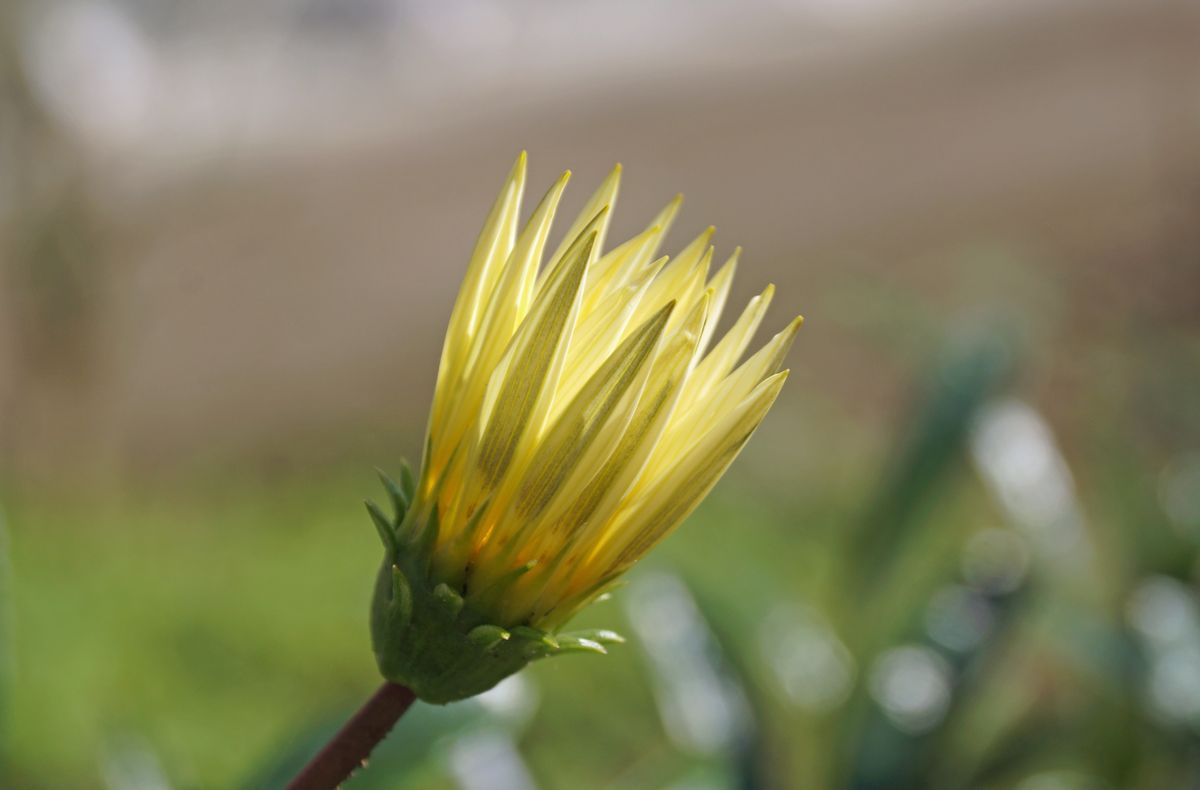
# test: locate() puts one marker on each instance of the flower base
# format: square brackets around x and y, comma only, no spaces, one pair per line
[428,638]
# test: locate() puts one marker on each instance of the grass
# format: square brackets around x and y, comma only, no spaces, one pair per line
[213,629]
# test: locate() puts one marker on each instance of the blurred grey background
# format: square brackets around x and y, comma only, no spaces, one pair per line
[229,224]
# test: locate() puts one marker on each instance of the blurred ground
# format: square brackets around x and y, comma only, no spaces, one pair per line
[232,237]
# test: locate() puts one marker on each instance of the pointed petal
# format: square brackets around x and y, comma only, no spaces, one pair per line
[765,362]
[578,522]
[604,197]
[491,250]
[717,363]
[665,218]
[513,408]
[720,285]
[573,433]
[576,442]
[677,278]
[610,485]
[690,419]
[673,497]
[532,364]
[693,289]
[597,334]
[618,266]
[503,315]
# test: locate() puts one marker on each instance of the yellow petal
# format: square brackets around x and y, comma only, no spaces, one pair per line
[678,278]
[720,285]
[585,432]
[491,250]
[598,333]
[523,383]
[579,521]
[618,266]
[628,261]
[605,197]
[693,290]
[518,395]
[717,363]
[665,218]
[679,440]
[504,313]
[765,362]
[674,495]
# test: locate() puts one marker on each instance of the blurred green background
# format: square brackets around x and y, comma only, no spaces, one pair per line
[961,553]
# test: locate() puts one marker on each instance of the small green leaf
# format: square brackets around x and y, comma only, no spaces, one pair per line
[400,500]
[488,636]
[425,536]
[407,484]
[384,527]
[536,635]
[450,602]
[401,605]
[575,644]
[602,635]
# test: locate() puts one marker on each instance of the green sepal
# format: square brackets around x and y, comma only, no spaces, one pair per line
[407,484]
[425,537]
[384,527]
[578,644]
[441,643]
[400,499]
[449,603]
[488,636]
[535,635]
[602,635]
[400,608]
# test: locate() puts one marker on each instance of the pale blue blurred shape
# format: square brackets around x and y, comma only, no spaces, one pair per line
[488,759]
[1165,614]
[1179,493]
[131,764]
[958,618]
[701,710]
[912,684]
[1014,449]
[811,665]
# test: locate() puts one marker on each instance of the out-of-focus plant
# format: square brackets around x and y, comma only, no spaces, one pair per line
[1009,659]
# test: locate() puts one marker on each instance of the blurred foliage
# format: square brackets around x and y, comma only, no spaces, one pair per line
[929,635]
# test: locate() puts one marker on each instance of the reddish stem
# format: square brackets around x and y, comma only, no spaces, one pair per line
[349,749]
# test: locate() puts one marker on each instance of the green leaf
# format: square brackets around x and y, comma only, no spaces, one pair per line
[400,609]
[488,636]
[604,636]
[450,602]
[575,644]
[407,484]
[400,500]
[384,527]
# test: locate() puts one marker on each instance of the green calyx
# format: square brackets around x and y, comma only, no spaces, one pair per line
[426,635]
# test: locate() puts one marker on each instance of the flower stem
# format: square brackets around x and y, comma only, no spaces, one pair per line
[352,745]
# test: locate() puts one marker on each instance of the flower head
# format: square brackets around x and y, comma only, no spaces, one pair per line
[579,416]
